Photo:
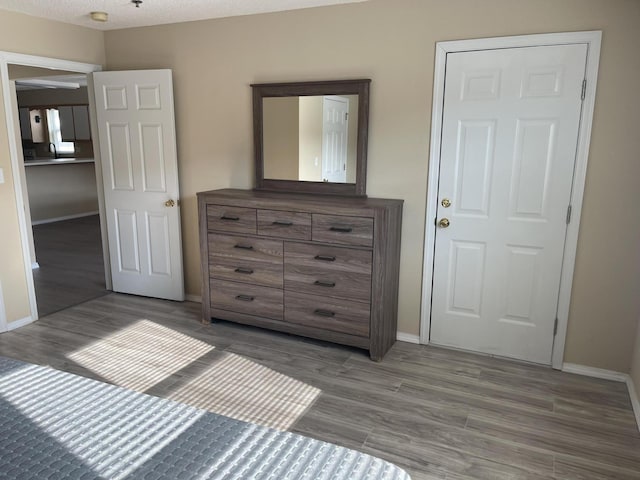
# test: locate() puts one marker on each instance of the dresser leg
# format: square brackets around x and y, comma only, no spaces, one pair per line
[376,355]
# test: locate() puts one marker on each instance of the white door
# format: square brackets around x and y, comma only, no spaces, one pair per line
[335,132]
[509,135]
[139,165]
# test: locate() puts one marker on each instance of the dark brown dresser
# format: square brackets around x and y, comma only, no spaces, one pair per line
[319,266]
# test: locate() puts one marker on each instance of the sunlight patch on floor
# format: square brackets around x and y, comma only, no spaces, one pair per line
[245,390]
[115,435]
[140,355]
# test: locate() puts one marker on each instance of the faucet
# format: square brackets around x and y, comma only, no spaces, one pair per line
[55,151]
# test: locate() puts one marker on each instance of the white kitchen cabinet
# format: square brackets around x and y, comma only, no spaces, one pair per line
[38,120]
[74,123]
[25,123]
[66,124]
[81,122]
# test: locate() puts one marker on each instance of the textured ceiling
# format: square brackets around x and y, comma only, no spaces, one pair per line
[124,14]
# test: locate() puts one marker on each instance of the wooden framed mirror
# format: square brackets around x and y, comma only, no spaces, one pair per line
[311,137]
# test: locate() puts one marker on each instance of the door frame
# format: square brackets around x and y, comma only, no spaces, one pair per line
[11,58]
[593,40]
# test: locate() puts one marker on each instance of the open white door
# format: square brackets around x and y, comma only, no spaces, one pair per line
[136,128]
[335,132]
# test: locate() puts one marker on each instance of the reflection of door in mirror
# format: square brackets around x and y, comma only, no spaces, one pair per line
[335,132]
[310,138]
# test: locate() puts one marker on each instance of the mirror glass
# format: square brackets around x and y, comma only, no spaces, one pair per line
[310,138]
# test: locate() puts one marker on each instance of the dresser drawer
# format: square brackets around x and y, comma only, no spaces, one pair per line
[343,230]
[333,271]
[327,313]
[290,225]
[247,299]
[231,219]
[245,259]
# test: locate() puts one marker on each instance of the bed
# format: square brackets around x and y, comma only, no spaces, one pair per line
[57,425]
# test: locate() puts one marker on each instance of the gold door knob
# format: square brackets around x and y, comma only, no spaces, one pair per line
[444,223]
[170,203]
[446,203]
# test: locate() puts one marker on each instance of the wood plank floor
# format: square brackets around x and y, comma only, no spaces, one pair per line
[440,414]
[71,266]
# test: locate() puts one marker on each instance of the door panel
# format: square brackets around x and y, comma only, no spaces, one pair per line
[152,161]
[127,241]
[138,149]
[335,128]
[509,135]
[474,161]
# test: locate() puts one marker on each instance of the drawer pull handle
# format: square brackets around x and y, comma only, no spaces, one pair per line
[248,271]
[229,217]
[282,223]
[245,298]
[243,247]
[341,229]
[325,258]
[323,283]
[324,313]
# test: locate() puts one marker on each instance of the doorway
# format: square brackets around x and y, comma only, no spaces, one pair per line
[510,135]
[44,65]
[59,186]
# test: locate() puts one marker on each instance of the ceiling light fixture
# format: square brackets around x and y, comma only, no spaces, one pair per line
[136,3]
[99,16]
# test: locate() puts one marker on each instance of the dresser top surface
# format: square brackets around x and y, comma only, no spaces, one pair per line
[234,194]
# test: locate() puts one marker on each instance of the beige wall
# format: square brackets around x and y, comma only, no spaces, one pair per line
[392,42]
[61,190]
[310,134]
[280,137]
[635,363]
[23,34]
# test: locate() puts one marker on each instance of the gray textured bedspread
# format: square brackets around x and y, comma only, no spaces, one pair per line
[56,425]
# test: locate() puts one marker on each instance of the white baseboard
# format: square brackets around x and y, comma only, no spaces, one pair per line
[35,266]
[407,337]
[193,298]
[635,402]
[608,375]
[594,372]
[66,217]
[19,323]
[3,313]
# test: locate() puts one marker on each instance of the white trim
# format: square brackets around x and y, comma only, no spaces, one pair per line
[3,313]
[7,58]
[592,40]
[93,123]
[65,217]
[594,372]
[20,323]
[407,337]
[193,298]
[635,403]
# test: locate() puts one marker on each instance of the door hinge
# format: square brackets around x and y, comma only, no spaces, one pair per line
[346,116]
[584,89]
[568,214]
[555,327]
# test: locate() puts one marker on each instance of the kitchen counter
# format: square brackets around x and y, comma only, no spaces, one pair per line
[56,161]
